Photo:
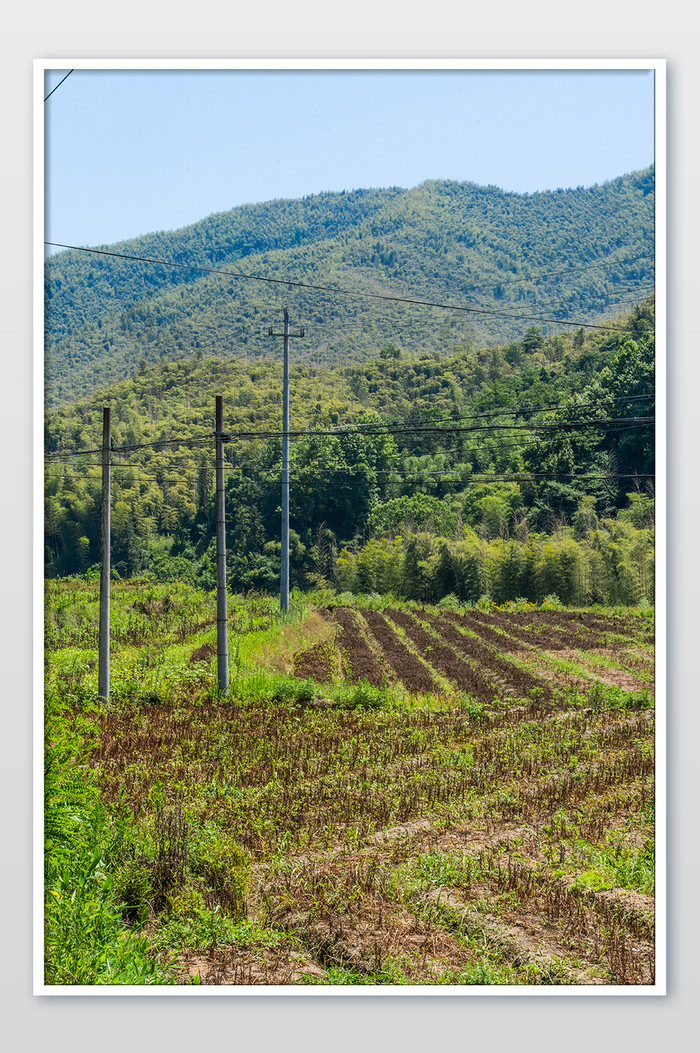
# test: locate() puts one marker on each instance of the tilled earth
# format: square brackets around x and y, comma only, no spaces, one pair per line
[488,655]
[497,831]
[434,906]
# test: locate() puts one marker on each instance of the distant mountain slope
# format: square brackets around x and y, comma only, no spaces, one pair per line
[578,254]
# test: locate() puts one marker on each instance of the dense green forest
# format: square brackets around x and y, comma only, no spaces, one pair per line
[583,254]
[524,470]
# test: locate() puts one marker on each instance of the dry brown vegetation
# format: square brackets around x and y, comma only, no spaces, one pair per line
[494,826]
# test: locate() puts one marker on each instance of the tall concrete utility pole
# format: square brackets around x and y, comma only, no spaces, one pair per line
[221,612]
[105,562]
[284,569]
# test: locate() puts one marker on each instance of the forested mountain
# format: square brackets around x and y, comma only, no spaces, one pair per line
[521,470]
[578,254]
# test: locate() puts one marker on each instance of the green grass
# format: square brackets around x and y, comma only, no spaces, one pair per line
[619,867]
[85,938]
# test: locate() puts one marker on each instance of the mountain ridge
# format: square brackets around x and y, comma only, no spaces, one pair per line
[480,248]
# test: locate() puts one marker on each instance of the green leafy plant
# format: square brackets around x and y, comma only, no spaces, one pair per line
[85,941]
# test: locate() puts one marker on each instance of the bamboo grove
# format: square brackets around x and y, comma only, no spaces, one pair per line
[516,472]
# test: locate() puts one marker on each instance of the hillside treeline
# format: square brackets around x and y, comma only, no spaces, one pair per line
[580,253]
[607,561]
[521,471]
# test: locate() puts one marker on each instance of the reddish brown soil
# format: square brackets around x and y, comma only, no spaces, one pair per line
[314,664]
[615,677]
[588,629]
[519,681]
[550,639]
[207,650]
[231,965]
[360,663]
[572,935]
[544,635]
[508,893]
[444,659]
[630,662]
[410,671]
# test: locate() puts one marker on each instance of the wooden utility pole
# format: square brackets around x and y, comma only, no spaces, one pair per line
[105,553]
[221,613]
[284,568]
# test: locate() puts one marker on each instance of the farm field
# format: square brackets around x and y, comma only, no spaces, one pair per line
[391,793]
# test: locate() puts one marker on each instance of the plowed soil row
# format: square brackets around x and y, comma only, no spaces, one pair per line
[444,659]
[500,902]
[570,638]
[598,623]
[360,663]
[475,662]
[549,637]
[482,888]
[410,671]
[635,664]
[606,674]
[519,680]
[569,642]
[591,619]
[569,647]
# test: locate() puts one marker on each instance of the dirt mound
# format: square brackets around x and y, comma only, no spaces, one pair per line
[316,663]
[201,654]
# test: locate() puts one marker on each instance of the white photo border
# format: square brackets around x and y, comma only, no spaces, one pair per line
[658,66]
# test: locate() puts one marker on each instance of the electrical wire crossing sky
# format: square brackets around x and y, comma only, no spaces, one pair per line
[131,151]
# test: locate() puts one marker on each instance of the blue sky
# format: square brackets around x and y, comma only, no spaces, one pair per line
[133,151]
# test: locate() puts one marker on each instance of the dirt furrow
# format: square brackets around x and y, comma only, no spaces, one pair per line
[356,651]
[409,669]
[444,658]
[519,680]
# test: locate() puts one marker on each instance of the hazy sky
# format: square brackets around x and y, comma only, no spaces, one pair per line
[133,151]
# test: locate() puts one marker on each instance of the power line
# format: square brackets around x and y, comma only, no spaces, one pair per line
[416,426]
[474,288]
[191,466]
[417,473]
[121,343]
[592,296]
[599,424]
[464,476]
[59,84]
[524,444]
[505,412]
[418,430]
[139,446]
[339,291]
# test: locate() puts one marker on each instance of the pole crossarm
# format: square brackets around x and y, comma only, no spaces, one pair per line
[271,332]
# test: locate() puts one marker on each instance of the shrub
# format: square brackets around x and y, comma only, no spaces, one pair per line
[223,865]
[450,603]
[290,691]
[132,892]
[363,695]
[552,603]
